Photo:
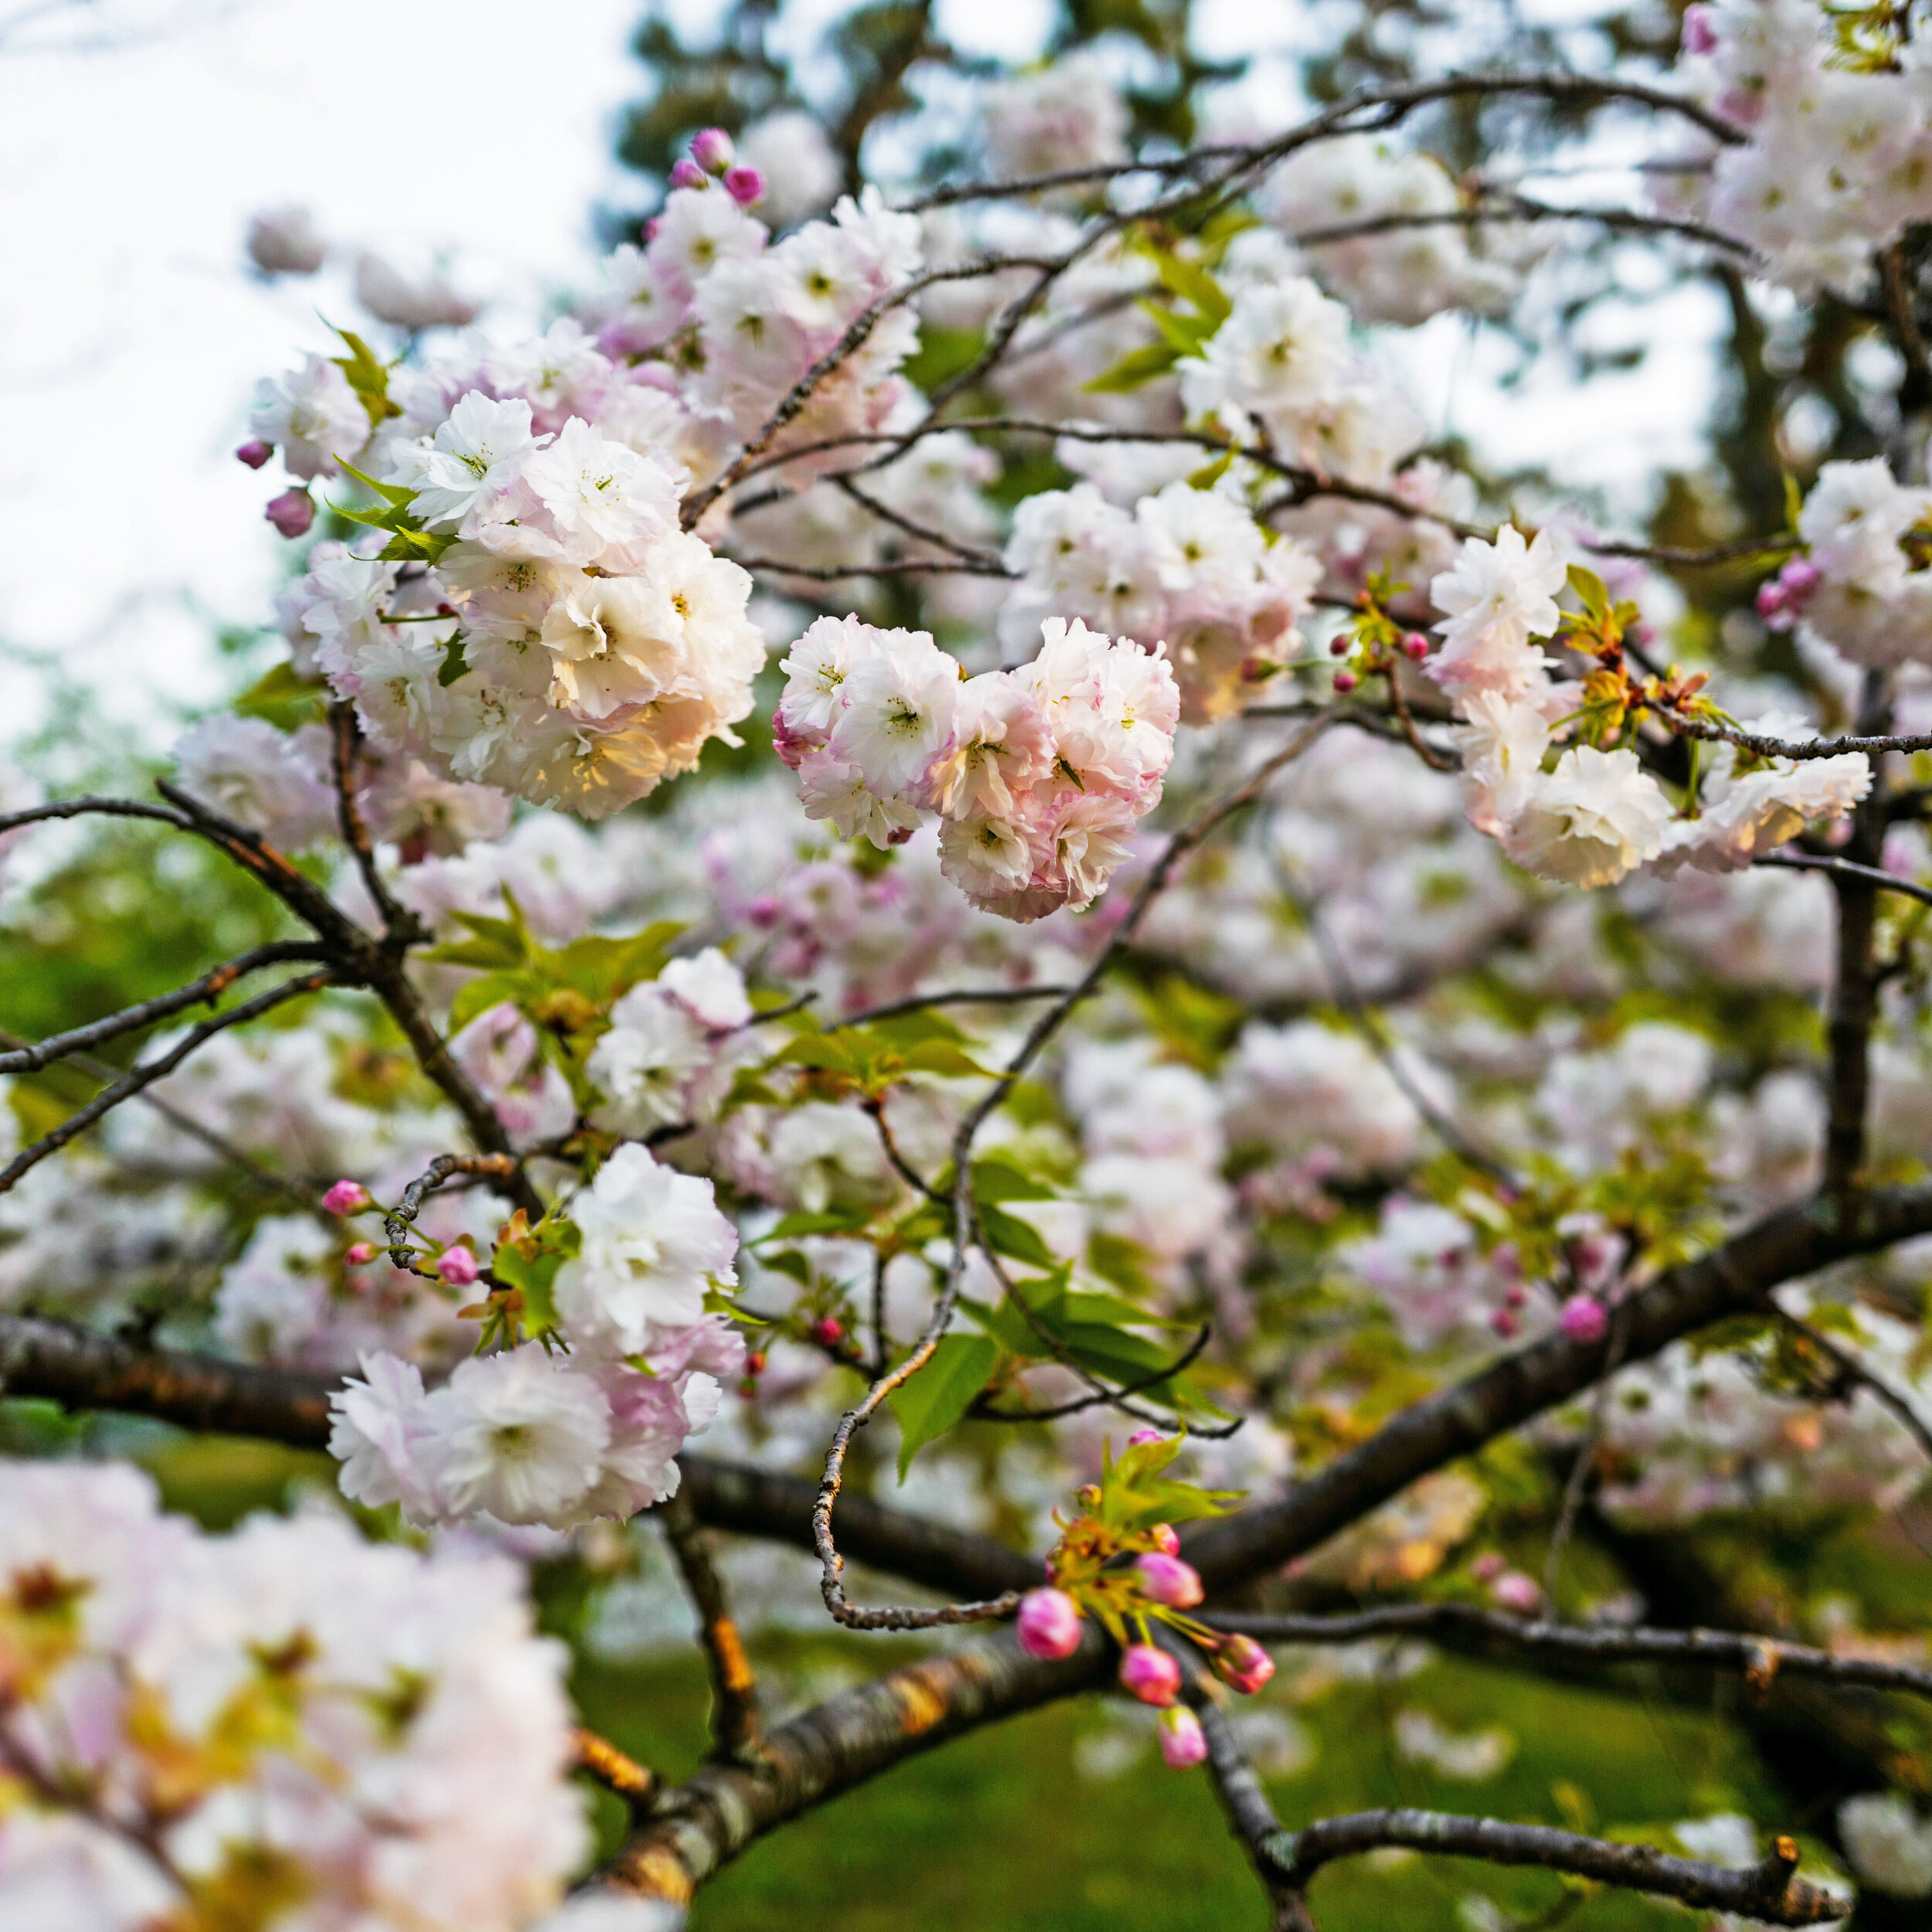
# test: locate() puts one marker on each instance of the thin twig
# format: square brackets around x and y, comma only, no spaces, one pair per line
[202,991]
[1851,1373]
[149,1071]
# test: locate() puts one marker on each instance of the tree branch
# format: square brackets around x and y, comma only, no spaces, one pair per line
[734,1689]
[1767,1891]
[1462,1627]
[208,988]
[701,1826]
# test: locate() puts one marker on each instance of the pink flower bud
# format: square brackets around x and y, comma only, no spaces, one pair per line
[1800,577]
[1165,1541]
[1183,1743]
[1167,1580]
[1518,1593]
[458,1267]
[1150,1675]
[1584,1319]
[1050,1624]
[1489,1567]
[686,173]
[360,1255]
[712,151]
[1770,601]
[1345,680]
[828,1329]
[1417,645]
[650,229]
[1700,35]
[1340,647]
[292,513]
[1144,1435]
[346,1197]
[745,185]
[1504,1323]
[1243,1663]
[255,453]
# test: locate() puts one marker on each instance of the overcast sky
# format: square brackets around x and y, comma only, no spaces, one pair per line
[133,152]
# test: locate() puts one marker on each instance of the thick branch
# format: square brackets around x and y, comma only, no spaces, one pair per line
[1459,1420]
[1767,1891]
[81,1370]
[1250,1815]
[734,1689]
[1462,1627]
[703,1825]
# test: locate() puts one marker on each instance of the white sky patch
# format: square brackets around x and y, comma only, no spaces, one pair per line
[131,335]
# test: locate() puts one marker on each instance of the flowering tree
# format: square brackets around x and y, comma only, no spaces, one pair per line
[1245,990]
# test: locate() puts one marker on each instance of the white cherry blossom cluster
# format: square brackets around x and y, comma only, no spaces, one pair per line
[585,1420]
[1402,275]
[1839,150]
[1594,816]
[1189,568]
[1863,584]
[1039,775]
[1068,113]
[202,1730]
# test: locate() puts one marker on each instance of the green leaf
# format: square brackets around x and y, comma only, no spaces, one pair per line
[792,1227]
[393,494]
[1210,473]
[1193,284]
[1590,590]
[477,996]
[455,665]
[942,1057]
[1009,1235]
[1135,370]
[284,699]
[997,1180]
[829,1052]
[368,377]
[1183,334]
[936,1398]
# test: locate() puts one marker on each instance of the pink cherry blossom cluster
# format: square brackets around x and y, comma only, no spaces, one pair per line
[534,1434]
[1039,775]
[287,1712]
[1187,567]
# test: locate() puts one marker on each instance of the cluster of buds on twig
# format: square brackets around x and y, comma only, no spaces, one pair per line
[1128,1576]
[712,157]
[1372,641]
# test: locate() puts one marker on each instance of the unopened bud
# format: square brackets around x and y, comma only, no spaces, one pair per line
[1417,645]
[458,1267]
[755,1362]
[1165,1541]
[1150,1675]
[1183,1743]
[1144,1435]
[346,1197]
[1518,1593]
[1339,646]
[1243,1664]
[1345,680]
[292,513]
[745,185]
[255,453]
[1169,1581]
[1700,35]
[359,1254]
[686,173]
[712,151]
[828,1329]
[1584,1319]
[1050,1624]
